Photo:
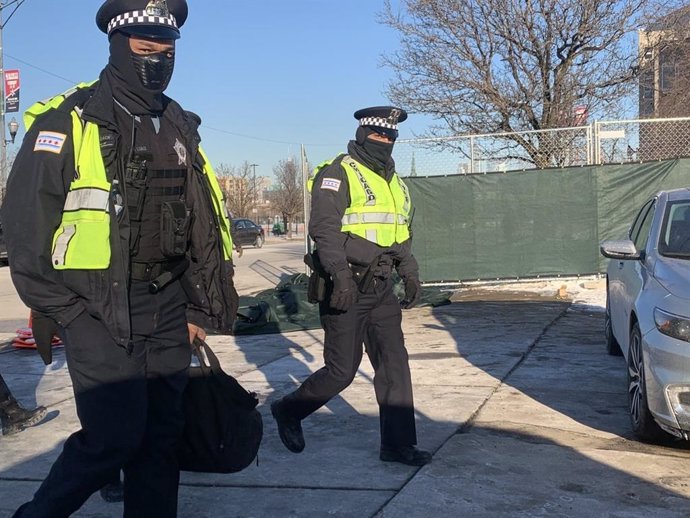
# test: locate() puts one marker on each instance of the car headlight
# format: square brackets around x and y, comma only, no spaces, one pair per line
[672,325]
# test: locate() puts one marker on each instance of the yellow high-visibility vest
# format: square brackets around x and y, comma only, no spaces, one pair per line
[379,211]
[82,241]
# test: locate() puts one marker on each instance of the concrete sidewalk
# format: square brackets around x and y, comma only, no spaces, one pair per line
[524,410]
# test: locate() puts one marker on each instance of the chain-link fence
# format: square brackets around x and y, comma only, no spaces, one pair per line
[641,140]
[602,142]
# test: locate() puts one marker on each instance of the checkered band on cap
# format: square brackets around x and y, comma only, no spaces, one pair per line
[140,18]
[377,121]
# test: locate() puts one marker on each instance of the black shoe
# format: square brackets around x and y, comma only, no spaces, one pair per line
[409,455]
[289,428]
[15,418]
[113,492]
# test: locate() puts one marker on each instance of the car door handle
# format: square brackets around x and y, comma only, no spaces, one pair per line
[621,264]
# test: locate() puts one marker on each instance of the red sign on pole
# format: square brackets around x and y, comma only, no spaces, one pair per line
[11,91]
[580,114]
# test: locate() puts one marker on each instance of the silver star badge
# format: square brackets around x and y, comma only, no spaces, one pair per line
[181,152]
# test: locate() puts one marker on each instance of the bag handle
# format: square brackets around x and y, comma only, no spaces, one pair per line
[204,353]
[238,393]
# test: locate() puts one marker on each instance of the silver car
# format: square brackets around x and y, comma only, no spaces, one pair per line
[648,314]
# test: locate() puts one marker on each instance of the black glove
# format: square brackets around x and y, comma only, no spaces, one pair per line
[344,290]
[43,329]
[413,292]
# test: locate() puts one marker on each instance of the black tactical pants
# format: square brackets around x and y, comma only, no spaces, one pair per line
[375,321]
[5,394]
[129,407]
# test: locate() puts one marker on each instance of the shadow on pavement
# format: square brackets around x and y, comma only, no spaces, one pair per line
[530,380]
[567,372]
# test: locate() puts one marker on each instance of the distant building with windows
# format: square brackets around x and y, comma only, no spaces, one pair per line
[234,186]
[664,56]
[664,86]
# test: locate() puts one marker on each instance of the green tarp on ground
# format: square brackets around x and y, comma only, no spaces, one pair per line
[536,223]
[285,308]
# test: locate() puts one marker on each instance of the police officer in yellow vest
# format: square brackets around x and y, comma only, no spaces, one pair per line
[117,232]
[360,225]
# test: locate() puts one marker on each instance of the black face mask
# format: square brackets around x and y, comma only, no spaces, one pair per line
[379,151]
[124,76]
[154,70]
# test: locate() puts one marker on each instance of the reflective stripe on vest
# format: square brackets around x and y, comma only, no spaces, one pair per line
[379,210]
[373,217]
[86,199]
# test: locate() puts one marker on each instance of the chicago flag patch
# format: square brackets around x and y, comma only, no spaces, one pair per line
[50,141]
[330,183]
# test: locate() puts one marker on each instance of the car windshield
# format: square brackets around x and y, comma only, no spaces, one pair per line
[675,234]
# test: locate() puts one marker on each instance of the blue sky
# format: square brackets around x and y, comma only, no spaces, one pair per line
[265,75]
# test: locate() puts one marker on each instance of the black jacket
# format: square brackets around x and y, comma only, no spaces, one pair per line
[337,248]
[32,211]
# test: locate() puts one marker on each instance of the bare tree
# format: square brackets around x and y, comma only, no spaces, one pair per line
[288,198]
[487,66]
[239,188]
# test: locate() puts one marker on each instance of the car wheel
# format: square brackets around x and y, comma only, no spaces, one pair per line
[259,241]
[612,345]
[643,424]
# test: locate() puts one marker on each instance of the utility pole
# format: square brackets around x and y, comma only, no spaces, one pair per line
[306,204]
[255,196]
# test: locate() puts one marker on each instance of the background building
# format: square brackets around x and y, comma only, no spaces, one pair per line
[664,88]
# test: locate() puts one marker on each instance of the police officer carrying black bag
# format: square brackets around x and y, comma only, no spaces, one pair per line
[127,249]
[360,225]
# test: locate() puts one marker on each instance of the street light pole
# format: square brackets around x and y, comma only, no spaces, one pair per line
[13,126]
[3,142]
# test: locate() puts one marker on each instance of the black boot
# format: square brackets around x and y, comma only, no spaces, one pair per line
[15,418]
[409,455]
[113,491]
[289,427]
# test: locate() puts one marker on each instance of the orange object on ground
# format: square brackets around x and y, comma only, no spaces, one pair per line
[25,337]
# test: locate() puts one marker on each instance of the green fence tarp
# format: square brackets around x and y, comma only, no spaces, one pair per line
[536,223]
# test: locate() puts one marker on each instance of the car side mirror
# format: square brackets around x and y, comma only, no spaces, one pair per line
[624,250]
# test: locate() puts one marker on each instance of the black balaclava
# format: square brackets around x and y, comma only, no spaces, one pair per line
[374,154]
[137,81]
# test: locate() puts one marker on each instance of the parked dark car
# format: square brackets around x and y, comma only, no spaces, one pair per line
[3,248]
[247,233]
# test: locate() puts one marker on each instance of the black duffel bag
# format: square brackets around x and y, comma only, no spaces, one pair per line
[223,428]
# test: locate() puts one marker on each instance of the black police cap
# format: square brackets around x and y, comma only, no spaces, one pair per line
[386,117]
[159,19]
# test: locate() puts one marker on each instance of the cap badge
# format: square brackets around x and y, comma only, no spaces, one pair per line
[158,8]
[394,116]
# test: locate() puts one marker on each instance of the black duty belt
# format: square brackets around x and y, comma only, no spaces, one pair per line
[149,271]
[158,274]
[381,270]
[359,271]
